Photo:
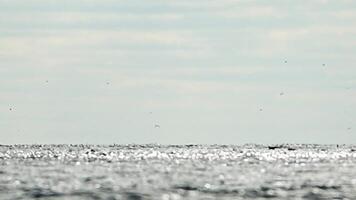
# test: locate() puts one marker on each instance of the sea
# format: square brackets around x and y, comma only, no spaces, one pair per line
[174,172]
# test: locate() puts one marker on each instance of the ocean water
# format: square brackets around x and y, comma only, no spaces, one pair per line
[175,172]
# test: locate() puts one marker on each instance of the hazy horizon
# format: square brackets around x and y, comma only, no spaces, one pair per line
[206,72]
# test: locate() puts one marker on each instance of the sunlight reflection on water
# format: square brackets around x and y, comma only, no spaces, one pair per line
[177,172]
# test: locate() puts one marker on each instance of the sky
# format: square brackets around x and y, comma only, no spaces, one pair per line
[205,71]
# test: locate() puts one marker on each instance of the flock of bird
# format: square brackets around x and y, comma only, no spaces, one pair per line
[156,125]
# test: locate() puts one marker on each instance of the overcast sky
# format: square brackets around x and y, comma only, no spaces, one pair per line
[206,71]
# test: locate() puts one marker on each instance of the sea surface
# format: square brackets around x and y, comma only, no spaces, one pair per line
[173,172]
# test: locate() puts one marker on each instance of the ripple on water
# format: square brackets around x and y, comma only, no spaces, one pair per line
[177,172]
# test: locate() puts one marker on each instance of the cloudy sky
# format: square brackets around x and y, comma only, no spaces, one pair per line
[206,71]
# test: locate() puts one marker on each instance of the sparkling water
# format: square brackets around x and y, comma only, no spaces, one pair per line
[177,172]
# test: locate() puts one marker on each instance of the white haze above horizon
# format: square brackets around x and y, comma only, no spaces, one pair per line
[215,71]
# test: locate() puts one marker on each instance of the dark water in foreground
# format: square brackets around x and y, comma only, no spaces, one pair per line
[137,172]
